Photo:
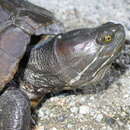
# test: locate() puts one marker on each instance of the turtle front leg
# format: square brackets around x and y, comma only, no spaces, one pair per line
[15,110]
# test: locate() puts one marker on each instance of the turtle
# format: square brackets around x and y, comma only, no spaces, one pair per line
[59,60]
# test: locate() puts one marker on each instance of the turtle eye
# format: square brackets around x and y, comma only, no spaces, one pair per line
[107,38]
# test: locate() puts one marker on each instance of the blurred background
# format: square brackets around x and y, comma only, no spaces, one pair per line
[88,13]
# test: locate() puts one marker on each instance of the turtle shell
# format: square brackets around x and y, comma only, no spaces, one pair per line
[17,24]
[31,18]
[13,43]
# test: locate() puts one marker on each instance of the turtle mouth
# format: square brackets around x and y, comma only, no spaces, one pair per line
[100,74]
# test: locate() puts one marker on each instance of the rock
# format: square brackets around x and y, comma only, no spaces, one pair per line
[74,110]
[99,117]
[54,128]
[84,109]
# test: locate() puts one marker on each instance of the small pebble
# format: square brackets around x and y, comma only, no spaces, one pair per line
[84,109]
[39,128]
[74,109]
[69,125]
[99,117]
[53,128]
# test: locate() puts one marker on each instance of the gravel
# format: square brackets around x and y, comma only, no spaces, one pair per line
[106,105]
[84,109]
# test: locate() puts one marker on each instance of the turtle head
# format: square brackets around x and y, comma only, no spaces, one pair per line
[86,54]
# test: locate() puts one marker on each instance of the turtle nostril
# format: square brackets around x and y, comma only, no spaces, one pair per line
[114,30]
